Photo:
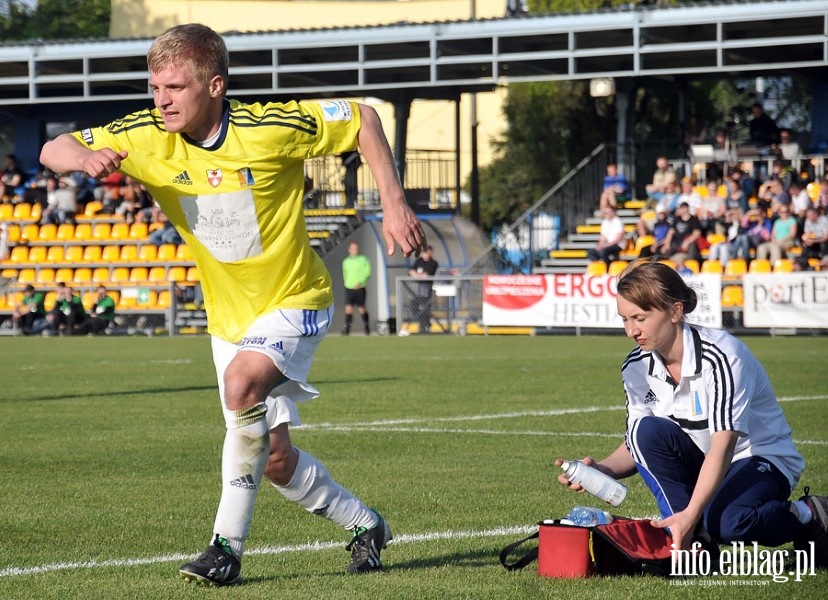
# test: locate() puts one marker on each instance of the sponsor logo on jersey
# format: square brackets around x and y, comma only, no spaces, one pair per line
[336,110]
[214,176]
[650,397]
[254,341]
[246,177]
[183,178]
[87,136]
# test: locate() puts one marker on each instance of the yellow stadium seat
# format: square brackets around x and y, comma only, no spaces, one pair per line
[157,274]
[668,262]
[120,275]
[596,267]
[732,296]
[26,276]
[36,213]
[45,275]
[92,207]
[64,274]
[711,266]
[193,276]
[83,232]
[783,265]
[148,252]
[19,254]
[760,265]
[65,232]
[692,264]
[163,300]
[125,302]
[92,254]
[812,190]
[129,253]
[138,275]
[111,254]
[100,275]
[642,242]
[89,298]
[29,232]
[735,267]
[74,254]
[14,231]
[166,252]
[47,232]
[22,211]
[151,301]
[83,275]
[119,231]
[9,273]
[183,252]
[101,231]
[716,238]
[139,231]
[49,300]
[616,266]
[6,212]
[37,254]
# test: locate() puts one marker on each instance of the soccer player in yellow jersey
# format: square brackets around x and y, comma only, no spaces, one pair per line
[229,176]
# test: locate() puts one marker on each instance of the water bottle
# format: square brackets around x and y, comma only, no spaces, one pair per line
[595,482]
[586,516]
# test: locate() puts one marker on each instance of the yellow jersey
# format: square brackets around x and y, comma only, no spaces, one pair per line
[238,203]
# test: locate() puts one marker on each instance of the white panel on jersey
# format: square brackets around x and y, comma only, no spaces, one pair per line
[225,224]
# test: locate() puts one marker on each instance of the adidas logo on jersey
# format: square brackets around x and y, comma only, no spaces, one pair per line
[183,178]
[650,397]
[246,482]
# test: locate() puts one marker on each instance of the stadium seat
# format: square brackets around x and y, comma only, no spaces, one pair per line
[120,275]
[14,231]
[92,254]
[783,265]
[92,207]
[126,302]
[596,267]
[193,276]
[45,276]
[89,298]
[692,264]
[37,210]
[29,232]
[177,274]
[9,273]
[74,254]
[111,254]
[732,296]
[712,266]
[138,275]
[163,300]
[151,301]
[139,231]
[166,252]
[101,231]
[668,262]
[65,232]
[49,300]
[760,265]
[183,252]
[147,252]
[157,275]
[716,238]
[26,276]
[19,255]
[82,275]
[6,212]
[37,254]
[47,232]
[100,275]
[735,267]
[129,253]
[616,266]
[64,274]
[22,211]
[83,232]
[120,231]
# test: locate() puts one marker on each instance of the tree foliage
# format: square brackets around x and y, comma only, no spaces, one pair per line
[56,20]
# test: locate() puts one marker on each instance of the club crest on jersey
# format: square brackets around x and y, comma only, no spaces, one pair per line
[214,177]
[336,110]
[246,177]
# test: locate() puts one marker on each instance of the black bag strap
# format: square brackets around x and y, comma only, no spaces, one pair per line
[526,559]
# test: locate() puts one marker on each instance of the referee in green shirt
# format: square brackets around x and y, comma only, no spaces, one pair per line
[356,271]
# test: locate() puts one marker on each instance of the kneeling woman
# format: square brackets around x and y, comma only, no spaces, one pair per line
[704,427]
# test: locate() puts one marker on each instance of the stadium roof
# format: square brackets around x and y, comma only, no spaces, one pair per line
[443,59]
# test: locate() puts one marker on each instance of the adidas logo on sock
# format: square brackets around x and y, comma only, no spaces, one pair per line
[246,482]
[183,178]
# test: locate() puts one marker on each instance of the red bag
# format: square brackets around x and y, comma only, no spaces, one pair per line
[623,547]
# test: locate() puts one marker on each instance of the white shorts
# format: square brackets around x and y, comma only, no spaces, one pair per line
[290,338]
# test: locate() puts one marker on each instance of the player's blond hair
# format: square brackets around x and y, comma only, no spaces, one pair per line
[194,44]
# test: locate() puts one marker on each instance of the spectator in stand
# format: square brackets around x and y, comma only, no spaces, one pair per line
[755,230]
[5,249]
[662,176]
[731,225]
[800,202]
[764,132]
[667,205]
[724,153]
[787,148]
[136,203]
[783,236]
[167,234]
[61,201]
[103,313]
[661,227]
[684,234]
[110,193]
[11,177]
[711,213]
[35,193]
[616,189]
[425,267]
[821,201]
[29,317]
[814,235]
[772,195]
[680,266]
[611,237]
[689,196]
[68,317]
[736,197]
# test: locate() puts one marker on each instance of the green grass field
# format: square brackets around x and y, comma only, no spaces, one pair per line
[110,461]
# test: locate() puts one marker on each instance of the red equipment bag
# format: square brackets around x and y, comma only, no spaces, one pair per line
[623,547]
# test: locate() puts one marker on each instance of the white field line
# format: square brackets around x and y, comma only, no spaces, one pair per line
[264,550]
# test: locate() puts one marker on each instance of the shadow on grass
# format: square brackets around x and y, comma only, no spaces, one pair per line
[110,394]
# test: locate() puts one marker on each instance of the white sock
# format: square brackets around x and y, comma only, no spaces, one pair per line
[243,461]
[801,511]
[312,487]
